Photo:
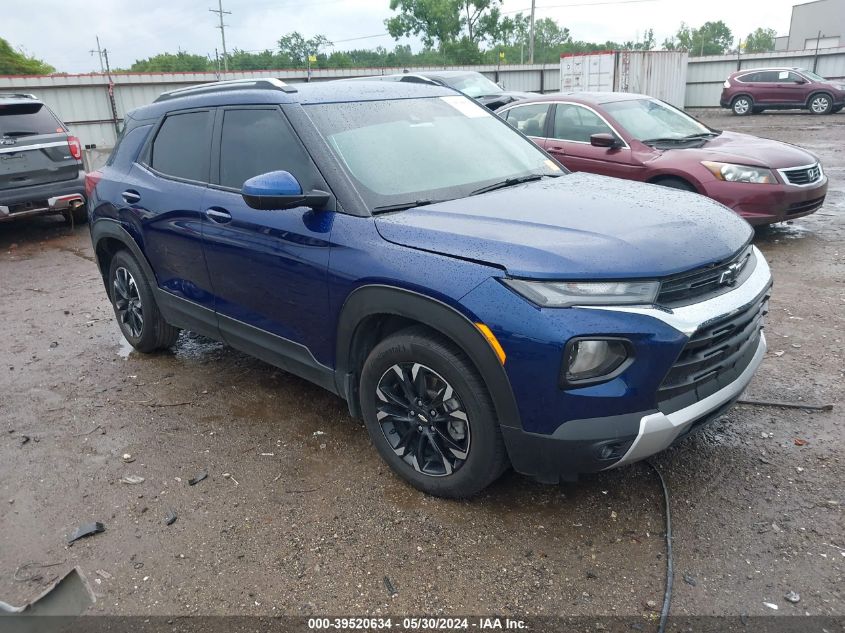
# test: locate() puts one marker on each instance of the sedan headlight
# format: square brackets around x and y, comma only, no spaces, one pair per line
[562,294]
[740,173]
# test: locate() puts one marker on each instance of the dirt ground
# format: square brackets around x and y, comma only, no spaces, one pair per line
[310,521]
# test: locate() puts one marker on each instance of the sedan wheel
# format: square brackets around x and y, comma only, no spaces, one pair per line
[821,104]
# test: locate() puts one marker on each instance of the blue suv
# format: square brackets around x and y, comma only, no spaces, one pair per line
[477,305]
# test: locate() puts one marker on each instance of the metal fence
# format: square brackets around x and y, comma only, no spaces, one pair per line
[93,108]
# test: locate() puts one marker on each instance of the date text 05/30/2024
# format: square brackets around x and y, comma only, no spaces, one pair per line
[416,624]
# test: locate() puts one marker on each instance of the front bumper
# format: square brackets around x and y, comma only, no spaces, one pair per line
[46,199]
[600,443]
[767,204]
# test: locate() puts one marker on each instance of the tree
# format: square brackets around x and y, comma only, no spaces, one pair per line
[294,48]
[180,62]
[14,62]
[760,41]
[459,25]
[711,38]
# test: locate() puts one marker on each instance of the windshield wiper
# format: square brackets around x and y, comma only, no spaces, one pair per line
[403,206]
[19,133]
[510,182]
[704,135]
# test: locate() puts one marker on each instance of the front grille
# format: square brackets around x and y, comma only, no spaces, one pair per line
[803,175]
[707,282]
[715,356]
[804,207]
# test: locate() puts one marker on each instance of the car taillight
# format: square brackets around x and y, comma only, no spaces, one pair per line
[91,180]
[727,84]
[75,147]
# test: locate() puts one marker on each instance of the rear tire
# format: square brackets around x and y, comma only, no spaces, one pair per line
[430,415]
[742,105]
[820,103]
[135,307]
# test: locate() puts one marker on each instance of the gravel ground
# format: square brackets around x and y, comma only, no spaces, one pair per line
[309,520]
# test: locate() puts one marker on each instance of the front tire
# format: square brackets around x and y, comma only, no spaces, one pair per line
[675,183]
[820,104]
[430,415]
[742,105]
[135,308]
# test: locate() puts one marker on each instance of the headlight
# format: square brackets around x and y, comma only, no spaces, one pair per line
[740,173]
[588,360]
[562,294]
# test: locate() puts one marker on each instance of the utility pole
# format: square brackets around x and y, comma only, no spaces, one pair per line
[531,34]
[816,55]
[220,12]
[99,52]
[112,103]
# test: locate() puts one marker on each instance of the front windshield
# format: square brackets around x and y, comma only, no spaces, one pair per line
[812,75]
[473,85]
[648,119]
[435,148]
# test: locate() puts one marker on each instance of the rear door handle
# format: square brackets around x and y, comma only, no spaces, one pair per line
[221,216]
[131,196]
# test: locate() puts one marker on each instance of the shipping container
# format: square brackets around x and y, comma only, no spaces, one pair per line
[659,74]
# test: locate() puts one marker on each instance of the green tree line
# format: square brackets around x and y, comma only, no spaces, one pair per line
[451,31]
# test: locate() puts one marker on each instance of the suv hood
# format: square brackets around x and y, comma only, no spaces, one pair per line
[744,149]
[575,226]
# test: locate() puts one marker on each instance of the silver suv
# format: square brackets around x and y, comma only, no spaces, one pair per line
[41,169]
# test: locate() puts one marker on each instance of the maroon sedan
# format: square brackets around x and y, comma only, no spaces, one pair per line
[639,138]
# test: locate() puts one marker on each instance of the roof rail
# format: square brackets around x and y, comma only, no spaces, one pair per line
[270,83]
[17,95]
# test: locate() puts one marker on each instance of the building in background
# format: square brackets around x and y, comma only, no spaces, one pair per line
[820,22]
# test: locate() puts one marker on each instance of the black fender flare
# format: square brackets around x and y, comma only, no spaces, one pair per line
[381,299]
[105,228]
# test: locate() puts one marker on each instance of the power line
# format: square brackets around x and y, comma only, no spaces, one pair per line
[219,11]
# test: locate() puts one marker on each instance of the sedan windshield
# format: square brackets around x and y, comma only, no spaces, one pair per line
[416,151]
[472,84]
[649,119]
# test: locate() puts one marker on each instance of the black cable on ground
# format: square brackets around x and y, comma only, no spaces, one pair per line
[670,569]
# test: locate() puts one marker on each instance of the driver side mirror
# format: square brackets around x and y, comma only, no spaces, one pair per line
[800,80]
[280,190]
[605,140]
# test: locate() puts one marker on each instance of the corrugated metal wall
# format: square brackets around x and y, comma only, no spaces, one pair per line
[705,75]
[83,102]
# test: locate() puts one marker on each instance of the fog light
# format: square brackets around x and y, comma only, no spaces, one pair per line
[594,360]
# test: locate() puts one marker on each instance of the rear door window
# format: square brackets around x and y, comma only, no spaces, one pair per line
[257,141]
[182,146]
[27,119]
[529,119]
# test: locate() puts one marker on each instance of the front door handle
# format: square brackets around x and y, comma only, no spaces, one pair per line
[221,216]
[556,148]
[131,196]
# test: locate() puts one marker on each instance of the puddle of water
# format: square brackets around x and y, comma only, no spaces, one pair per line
[124,348]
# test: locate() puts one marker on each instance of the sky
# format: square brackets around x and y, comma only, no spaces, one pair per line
[62,33]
